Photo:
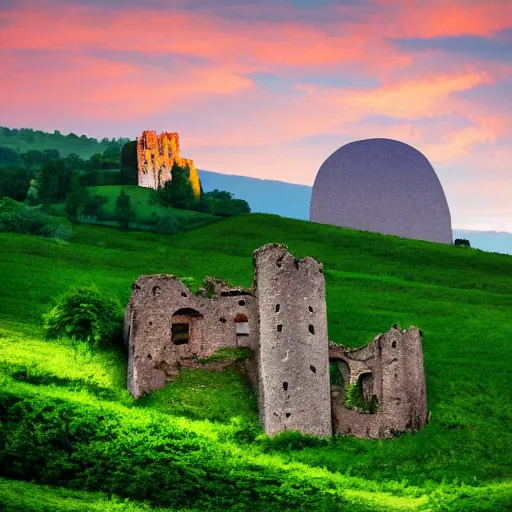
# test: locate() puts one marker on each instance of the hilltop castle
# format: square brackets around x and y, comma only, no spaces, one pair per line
[156,155]
[303,382]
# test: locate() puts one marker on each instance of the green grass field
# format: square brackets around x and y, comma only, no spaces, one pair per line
[461,299]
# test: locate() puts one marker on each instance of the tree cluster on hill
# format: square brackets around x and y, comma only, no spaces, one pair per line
[178,193]
[44,177]
[23,138]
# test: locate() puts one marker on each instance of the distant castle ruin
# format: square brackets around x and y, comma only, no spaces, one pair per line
[156,154]
[303,381]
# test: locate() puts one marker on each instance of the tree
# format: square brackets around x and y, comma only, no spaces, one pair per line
[75,200]
[93,206]
[111,158]
[462,241]
[55,180]
[74,162]
[124,212]
[9,157]
[219,194]
[15,182]
[129,165]
[33,158]
[95,162]
[180,189]
[230,207]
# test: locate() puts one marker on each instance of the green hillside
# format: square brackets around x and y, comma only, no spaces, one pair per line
[24,139]
[195,443]
[146,214]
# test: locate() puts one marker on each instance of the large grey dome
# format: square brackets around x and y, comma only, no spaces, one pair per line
[384,186]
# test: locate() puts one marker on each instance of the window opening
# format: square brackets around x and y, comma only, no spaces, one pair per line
[180,333]
[242,325]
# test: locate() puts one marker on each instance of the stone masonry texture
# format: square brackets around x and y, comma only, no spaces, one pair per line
[282,320]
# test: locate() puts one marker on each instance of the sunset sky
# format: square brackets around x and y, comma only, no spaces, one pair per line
[271,88]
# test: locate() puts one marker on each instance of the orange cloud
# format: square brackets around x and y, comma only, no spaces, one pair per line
[443,18]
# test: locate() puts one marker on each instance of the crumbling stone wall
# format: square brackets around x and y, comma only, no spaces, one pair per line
[161,304]
[377,390]
[156,154]
[390,373]
[293,348]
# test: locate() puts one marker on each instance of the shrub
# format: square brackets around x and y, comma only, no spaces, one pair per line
[167,225]
[293,440]
[462,241]
[54,442]
[27,220]
[85,315]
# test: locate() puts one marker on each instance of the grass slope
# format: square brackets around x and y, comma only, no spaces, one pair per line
[40,141]
[461,299]
[146,214]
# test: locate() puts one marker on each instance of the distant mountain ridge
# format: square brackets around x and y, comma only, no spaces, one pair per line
[292,200]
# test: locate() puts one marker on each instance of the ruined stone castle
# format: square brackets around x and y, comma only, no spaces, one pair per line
[156,155]
[303,381]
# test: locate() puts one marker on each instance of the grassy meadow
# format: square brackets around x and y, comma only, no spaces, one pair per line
[70,428]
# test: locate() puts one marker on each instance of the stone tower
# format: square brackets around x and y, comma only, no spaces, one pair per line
[294,389]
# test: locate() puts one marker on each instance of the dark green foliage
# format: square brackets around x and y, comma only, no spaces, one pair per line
[180,193]
[55,180]
[111,157]
[219,194]
[124,213]
[85,315]
[462,241]
[54,442]
[167,225]
[93,206]
[9,157]
[222,203]
[74,162]
[75,201]
[228,208]
[293,440]
[129,165]
[15,182]
[20,218]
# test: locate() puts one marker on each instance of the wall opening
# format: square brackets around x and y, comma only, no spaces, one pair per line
[279,328]
[278,307]
[312,368]
[184,322]
[180,333]
[285,386]
[242,325]
[310,309]
[241,302]
[311,329]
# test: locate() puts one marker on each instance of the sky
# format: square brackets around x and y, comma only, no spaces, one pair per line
[271,88]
